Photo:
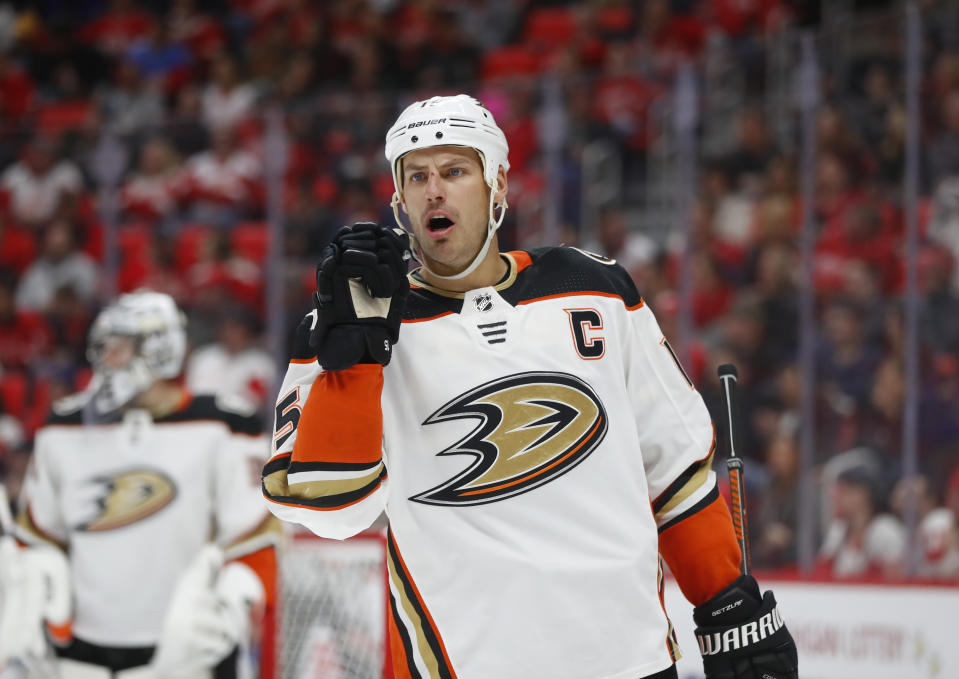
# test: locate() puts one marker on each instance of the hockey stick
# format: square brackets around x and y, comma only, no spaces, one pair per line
[734,462]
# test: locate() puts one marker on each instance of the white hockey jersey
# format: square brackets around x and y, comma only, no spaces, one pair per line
[132,502]
[536,436]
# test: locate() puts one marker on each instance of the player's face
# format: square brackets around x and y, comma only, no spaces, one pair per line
[447,199]
[117,352]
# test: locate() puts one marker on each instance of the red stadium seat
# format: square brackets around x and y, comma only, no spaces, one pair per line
[64,116]
[39,405]
[135,240]
[512,60]
[189,245]
[249,240]
[550,27]
[14,391]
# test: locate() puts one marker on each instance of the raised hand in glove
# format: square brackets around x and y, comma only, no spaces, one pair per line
[742,636]
[361,286]
[211,613]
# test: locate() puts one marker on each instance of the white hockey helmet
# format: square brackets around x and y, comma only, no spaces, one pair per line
[158,330]
[459,120]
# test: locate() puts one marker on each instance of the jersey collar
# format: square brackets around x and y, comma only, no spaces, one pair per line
[515,262]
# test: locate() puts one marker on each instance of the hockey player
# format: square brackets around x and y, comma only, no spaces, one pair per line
[532,439]
[152,494]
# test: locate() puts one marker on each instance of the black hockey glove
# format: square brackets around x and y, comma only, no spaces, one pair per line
[742,636]
[361,287]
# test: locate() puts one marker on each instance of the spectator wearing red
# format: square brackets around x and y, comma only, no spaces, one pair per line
[622,98]
[670,37]
[744,18]
[40,185]
[114,31]
[150,193]
[60,264]
[859,233]
[25,337]
[223,184]
[18,89]
[712,294]
[220,278]
[199,31]
[18,247]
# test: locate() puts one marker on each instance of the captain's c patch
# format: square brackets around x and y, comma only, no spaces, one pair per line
[533,428]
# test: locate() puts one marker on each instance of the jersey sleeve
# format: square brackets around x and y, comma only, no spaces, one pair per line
[677,441]
[39,514]
[326,471]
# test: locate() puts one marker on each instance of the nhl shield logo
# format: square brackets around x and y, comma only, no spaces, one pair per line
[483,302]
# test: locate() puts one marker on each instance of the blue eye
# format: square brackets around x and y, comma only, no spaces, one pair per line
[416,177]
[455,172]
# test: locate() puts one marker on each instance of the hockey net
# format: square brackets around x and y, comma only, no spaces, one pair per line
[332,609]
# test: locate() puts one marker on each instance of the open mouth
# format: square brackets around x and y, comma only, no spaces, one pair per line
[439,225]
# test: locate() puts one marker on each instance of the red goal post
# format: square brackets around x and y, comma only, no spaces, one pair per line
[331,617]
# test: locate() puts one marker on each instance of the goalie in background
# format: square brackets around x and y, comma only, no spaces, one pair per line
[532,438]
[152,495]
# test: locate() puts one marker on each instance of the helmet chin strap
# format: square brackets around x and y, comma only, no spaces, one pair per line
[492,225]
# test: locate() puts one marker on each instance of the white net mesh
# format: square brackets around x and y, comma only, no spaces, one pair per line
[333,609]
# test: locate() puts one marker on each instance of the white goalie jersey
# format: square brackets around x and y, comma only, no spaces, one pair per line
[133,501]
[528,442]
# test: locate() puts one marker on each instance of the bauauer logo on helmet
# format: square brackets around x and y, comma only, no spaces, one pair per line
[421,123]
[534,427]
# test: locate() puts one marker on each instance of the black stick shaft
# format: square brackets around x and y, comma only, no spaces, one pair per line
[728,377]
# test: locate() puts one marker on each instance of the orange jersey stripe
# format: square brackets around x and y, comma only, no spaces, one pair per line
[342,420]
[683,546]
[522,259]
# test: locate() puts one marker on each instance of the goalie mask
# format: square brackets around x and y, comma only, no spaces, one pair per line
[459,120]
[136,341]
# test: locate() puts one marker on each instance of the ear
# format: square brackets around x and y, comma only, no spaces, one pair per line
[502,187]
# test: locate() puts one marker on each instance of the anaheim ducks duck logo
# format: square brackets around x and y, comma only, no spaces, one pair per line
[129,497]
[534,427]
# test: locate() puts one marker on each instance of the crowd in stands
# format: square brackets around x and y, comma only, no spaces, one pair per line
[186,89]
